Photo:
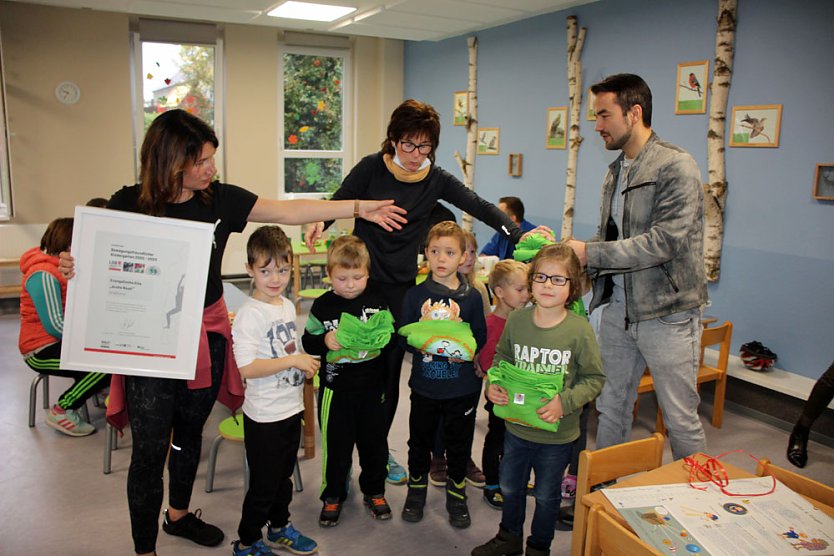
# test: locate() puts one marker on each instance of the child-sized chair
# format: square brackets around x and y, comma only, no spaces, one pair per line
[606,537]
[798,483]
[231,428]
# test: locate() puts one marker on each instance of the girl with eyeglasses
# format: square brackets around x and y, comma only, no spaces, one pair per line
[545,339]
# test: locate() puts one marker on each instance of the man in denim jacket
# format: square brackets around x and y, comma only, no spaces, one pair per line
[648,266]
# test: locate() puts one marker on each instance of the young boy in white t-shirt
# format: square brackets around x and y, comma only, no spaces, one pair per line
[266,351]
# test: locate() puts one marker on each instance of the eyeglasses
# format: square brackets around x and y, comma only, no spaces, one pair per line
[408,146]
[556,279]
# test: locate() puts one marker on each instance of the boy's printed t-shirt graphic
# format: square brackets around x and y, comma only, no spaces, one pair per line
[281,337]
[441,332]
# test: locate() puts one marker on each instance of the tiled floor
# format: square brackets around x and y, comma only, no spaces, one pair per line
[55,499]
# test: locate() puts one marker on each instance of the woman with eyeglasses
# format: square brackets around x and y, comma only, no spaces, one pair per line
[404,169]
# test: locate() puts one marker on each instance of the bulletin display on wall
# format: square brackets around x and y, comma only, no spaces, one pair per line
[756,126]
[824,182]
[557,125]
[460,107]
[692,86]
[488,139]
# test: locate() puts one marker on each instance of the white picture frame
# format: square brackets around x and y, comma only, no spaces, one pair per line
[135,305]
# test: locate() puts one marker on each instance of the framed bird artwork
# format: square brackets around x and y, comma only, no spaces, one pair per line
[756,126]
[488,140]
[557,125]
[460,108]
[691,91]
[823,182]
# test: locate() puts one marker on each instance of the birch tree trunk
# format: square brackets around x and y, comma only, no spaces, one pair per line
[575,44]
[715,192]
[467,165]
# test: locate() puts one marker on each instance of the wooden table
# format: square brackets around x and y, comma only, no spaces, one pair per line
[671,473]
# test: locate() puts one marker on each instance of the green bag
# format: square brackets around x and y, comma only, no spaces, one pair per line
[441,337]
[525,390]
[527,248]
[362,341]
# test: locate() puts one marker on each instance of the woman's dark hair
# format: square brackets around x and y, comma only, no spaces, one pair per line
[57,237]
[174,139]
[410,119]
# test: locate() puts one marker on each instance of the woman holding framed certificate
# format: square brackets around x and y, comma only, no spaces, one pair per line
[177,180]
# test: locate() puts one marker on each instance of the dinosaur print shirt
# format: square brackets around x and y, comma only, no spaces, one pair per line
[436,376]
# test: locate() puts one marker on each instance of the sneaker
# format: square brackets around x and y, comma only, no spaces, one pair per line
[290,539]
[569,488]
[502,544]
[437,472]
[378,507]
[396,472]
[415,500]
[531,488]
[330,512]
[258,548]
[474,475]
[534,551]
[192,528]
[456,505]
[68,422]
[493,496]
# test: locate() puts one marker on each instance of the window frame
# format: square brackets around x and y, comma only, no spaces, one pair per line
[176,32]
[346,154]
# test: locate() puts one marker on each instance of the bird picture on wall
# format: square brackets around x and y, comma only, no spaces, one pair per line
[488,138]
[691,91]
[557,119]
[756,126]
[460,108]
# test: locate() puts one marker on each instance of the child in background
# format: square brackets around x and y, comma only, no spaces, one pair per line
[274,372]
[544,339]
[352,385]
[443,387]
[508,282]
[438,472]
[42,301]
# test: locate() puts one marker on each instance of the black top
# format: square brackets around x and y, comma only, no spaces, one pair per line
[228,210]
[394,254]
[434,376]
[324,316]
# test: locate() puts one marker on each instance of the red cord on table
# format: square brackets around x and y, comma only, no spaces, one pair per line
[712,471]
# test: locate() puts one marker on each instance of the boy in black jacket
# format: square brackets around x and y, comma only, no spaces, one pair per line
[443,381]
[351,392]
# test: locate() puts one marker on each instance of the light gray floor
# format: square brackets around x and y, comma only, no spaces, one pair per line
[55,499]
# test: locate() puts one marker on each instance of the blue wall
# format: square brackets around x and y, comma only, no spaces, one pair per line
[778,262]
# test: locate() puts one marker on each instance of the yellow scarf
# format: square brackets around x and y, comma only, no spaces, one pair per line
[402,174]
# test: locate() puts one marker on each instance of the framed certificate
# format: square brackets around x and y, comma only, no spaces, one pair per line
[135,305]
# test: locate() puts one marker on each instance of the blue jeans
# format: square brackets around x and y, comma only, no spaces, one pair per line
[671,347]
[549,462]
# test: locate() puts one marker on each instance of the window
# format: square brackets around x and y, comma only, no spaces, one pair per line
[5,175]
[314,113]
[178,65]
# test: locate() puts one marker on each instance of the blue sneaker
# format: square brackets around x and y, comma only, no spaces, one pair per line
[257,549]
[396,472]
[289,538]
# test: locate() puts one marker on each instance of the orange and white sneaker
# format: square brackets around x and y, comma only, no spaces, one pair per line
[68,422]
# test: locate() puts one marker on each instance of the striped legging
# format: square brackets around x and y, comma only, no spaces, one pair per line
[48,361]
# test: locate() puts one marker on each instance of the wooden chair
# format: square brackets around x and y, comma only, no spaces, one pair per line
[607,464]
[717,335]
[606,537]
[797,483]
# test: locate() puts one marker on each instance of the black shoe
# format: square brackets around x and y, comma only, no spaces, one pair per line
[798,448]
[493,497]
[503,544]
[415,500]
[378,506]
[456,504]
[565,519]
[193,528]
[330,512]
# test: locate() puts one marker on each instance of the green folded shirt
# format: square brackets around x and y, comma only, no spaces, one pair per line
[527,392]
[362,340]
[441,337]
[527,248]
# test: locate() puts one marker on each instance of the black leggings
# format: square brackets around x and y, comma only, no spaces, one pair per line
[821,395]
[165,413]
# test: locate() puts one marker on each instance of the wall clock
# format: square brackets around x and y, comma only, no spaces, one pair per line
[67,92]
